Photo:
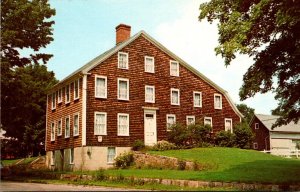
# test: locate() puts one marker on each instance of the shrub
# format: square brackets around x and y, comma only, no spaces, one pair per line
[138,145]
[100,175]
[178,134]
[225,139]
[163,145]
[198,133]
[124,160]
[243,135]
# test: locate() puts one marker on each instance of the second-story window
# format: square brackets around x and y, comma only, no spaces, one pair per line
[53,101]
[149,94]
[76,124]
[175,96]
[218,101]
[101,86]
[67,95]
[53,131]
[123,89]
[100,123]
[67,127]
[59,96]
[59,127]
[197,99]
[174,68]
[76,89]
[149,64]
[123,60]
[228,125]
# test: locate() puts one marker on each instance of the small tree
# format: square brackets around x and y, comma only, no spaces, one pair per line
[243,135]
[225,139]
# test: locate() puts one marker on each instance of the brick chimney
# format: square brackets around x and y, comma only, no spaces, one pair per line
[122,33]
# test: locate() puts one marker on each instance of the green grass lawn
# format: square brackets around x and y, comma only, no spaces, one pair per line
[229,164]
[9,162]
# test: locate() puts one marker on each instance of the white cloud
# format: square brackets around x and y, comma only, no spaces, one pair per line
[195,41]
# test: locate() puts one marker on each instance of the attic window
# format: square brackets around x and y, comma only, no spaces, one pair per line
[174,68]
[122,60]
[218,101]
[149,64]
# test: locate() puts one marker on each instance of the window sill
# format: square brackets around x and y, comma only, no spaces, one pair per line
[67,137]
[149,101]
[75,99]
[67,103]
[59,135]
[149,72]
[52,140]
[98,97]
[104,134]
[123,99]
[197,106]
[76,135]
[175,104]
[123,135]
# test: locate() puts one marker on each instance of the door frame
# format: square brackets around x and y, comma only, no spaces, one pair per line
[153,112]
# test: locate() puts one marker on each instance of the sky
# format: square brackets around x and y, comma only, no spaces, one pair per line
[86,28]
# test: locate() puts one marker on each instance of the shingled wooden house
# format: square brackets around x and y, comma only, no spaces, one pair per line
[136,90]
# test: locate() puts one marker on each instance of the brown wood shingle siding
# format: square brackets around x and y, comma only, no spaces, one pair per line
[262,135]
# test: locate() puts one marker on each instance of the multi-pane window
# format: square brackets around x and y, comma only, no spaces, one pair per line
[123,89]
[174,68]
[76,89]
[100,123]
[123,124]
[76,124]
[228,125]
[53,131]
[123,60]
[149,64]
[67,127]
[197,99]
[190,120]
[175,96]
[72,156]
[53,101]
[52,159]
[208,121]
[171,120]
[149,94]
[218,101]
[59,96]
[67,94]
[111,154]
[59,127]
[100,86]
[256,126]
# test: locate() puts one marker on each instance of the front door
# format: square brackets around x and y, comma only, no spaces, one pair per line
[150,127]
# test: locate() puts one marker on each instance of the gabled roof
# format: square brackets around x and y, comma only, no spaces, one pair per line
[96,61]
[269,120]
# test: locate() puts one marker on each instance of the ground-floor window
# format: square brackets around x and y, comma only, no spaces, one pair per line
[52,160]
[255,145]
[111,153]
[72,156]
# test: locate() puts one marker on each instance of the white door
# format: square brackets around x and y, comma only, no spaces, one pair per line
[150,127]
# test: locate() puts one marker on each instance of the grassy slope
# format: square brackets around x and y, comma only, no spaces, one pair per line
[9,162]
[230,165]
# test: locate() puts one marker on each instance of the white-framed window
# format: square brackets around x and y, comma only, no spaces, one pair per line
[100,86]
[175,96]
[190,119]
[100,123]
[59,96]
[208,121]
[53,131]
[67,94]
[174,68]
[59,127]
[149,64]
[76,89]
[197,99]
[111,154]
[52,158]
[218,101]
[122,60]
[149,94]
[255,145]
[256,125]
[76,124]
[67,127]
[171,120]
[228,125]
[123,89]
[72,156]
[123,124]
[53,101]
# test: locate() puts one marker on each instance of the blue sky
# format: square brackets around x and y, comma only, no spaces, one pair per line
[86,28]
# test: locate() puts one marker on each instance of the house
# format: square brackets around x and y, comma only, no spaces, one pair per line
[135,90]
[279,140]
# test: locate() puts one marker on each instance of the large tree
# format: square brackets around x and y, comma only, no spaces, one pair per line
[248,112]
[269,32]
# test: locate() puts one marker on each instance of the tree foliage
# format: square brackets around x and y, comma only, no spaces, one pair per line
[269,32]
[243,135]
[248,112]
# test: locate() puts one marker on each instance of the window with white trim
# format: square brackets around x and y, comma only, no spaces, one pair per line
[174,68]
[100,86]
[228,125]
[59,96]
[123,89]
[67,94]
[256,126]
[149,64]
[100,123]
[72,156]
[59,127]
[111,154]
[255,145]
[197,99]
[149,94]
[67,127]
[123,124]
[76,124]
[208,121]
[171,120]
[52,158]
[218,101]
[190,119]
[53,101]
[175,96]
[76,89]
[53,131]
[122,60]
